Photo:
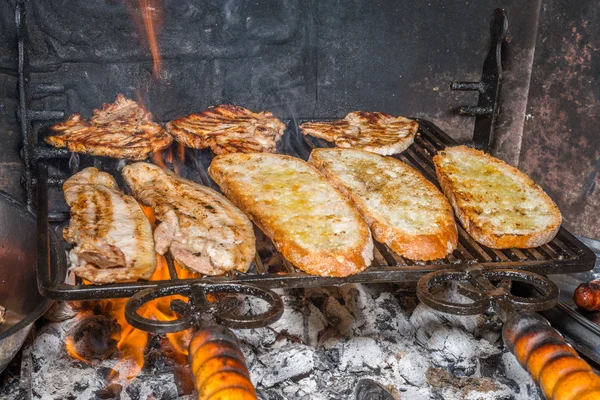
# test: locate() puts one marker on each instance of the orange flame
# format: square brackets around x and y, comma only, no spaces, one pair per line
[171,160]
[181,152]
[151,20]
[157,158]
[148,7]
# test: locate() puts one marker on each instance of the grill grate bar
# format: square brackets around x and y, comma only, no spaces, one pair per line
[288,266]
[519,255]
[566,251]
[171,267]
[383,250]
[398,260]
[260,268]
[535,255]
[466,254]
[549,251]
[436,140]
[378,258]
[472,245]
[569,240]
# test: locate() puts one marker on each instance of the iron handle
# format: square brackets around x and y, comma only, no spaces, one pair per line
[552,363]
[488,87]
[218,365]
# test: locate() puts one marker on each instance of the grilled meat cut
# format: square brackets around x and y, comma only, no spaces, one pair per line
[202,230]
[228,129]
[112,235]
[311,223]
[403,209]
[497,204]
[121,129]
[370,131]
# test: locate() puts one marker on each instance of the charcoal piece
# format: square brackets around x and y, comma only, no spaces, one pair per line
[80,386]
[103,373]
[111,392]
[95,337]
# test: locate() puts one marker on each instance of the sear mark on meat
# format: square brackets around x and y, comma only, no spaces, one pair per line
[228,129]
[112,236]
[201,229]
[121,129]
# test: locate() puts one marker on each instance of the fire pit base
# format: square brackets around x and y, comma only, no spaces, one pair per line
[325,343]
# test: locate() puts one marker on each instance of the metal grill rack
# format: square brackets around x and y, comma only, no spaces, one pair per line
[564,254]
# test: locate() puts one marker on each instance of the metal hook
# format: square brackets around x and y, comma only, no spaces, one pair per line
[477,285]
[199,310]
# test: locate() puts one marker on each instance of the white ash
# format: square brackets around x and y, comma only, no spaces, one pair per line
[330,338]
[56,375]
[326,341]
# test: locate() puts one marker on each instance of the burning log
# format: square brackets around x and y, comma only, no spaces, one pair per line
[93,337]
[587,296]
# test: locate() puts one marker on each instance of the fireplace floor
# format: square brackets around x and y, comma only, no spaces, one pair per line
[326,342]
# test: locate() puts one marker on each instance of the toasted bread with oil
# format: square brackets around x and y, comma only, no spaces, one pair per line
[309,221]
[403,209]
[498,205]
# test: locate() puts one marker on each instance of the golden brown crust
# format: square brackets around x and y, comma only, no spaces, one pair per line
[121,130]
[228,129]
[467,217]
[435,244]
[370,131]
[337,261]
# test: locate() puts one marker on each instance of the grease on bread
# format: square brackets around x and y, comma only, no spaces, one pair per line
[498,205]
[310,222]
[403,209]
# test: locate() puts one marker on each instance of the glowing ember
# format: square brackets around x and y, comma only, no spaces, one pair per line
[171,160]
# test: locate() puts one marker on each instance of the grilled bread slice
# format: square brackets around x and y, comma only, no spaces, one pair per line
[497,204]
[403,209]
[371,131]
[310,222]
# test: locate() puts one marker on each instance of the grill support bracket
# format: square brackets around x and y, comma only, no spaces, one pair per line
[486,110]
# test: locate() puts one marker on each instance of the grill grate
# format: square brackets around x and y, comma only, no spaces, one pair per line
[564,254]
